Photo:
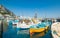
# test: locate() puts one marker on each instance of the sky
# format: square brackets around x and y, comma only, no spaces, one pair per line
[43,8]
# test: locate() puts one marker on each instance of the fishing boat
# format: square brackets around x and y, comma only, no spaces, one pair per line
[40,27]
[25,23]
[55,28]
[23,27]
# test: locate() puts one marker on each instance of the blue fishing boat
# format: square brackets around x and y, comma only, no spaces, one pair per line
[41,28]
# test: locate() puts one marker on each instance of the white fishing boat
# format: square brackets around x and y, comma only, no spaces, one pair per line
[55,28]
[23,25]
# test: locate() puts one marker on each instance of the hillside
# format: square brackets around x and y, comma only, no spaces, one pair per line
[4,11]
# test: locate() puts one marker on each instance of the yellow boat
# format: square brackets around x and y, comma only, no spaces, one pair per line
[41,31]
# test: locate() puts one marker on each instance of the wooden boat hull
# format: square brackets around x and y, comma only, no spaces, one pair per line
[41,31]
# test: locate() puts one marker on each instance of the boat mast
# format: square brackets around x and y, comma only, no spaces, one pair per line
[35,16]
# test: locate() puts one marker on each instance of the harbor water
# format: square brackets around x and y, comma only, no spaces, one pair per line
[22,33]
[12,33]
